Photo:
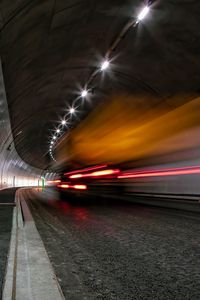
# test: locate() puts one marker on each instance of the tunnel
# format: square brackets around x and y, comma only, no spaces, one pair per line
[99,150]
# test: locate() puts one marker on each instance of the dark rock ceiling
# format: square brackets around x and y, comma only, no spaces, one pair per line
[49,48]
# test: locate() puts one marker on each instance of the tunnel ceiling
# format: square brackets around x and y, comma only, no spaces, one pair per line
[50,48]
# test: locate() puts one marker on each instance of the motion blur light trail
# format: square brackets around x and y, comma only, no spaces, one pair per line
[86,169]
[97,174]
[131,129]
[70,186]
[161,172]
[53,181]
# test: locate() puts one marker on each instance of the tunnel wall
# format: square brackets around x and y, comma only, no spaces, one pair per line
[13,170]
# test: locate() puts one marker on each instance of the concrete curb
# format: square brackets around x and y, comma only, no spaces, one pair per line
[8,287]
[29,274]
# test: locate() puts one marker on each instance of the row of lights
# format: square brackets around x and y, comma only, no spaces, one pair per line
[84,93]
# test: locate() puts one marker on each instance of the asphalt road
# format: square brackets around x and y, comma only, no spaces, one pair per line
[117,250]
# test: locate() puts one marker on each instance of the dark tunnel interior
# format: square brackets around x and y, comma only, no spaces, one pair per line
[99,149]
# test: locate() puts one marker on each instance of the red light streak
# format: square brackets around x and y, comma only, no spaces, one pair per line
[162,172]
[76,186]
[86,169]
[96,174]
[76,176]
[104,173]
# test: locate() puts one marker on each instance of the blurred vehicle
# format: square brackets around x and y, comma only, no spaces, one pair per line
[136,147]
[97,179]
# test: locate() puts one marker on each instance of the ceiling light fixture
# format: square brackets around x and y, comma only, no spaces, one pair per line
[84,93]
[105,65]
[63,122]
[71,110]
[143,13]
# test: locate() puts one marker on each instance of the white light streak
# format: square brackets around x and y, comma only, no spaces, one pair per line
[105,65]
[63,122]
[71,110]
[84,93]
[143,13]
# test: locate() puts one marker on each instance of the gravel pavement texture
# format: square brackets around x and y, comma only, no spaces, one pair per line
[107,249]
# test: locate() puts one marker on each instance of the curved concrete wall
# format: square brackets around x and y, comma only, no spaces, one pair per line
[13,171]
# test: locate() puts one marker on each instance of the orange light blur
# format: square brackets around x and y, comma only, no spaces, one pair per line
[76,176]
[96,174]
[104,173]
[86,169]
[63,186]
[54,181]
[134,128]
[80,186]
